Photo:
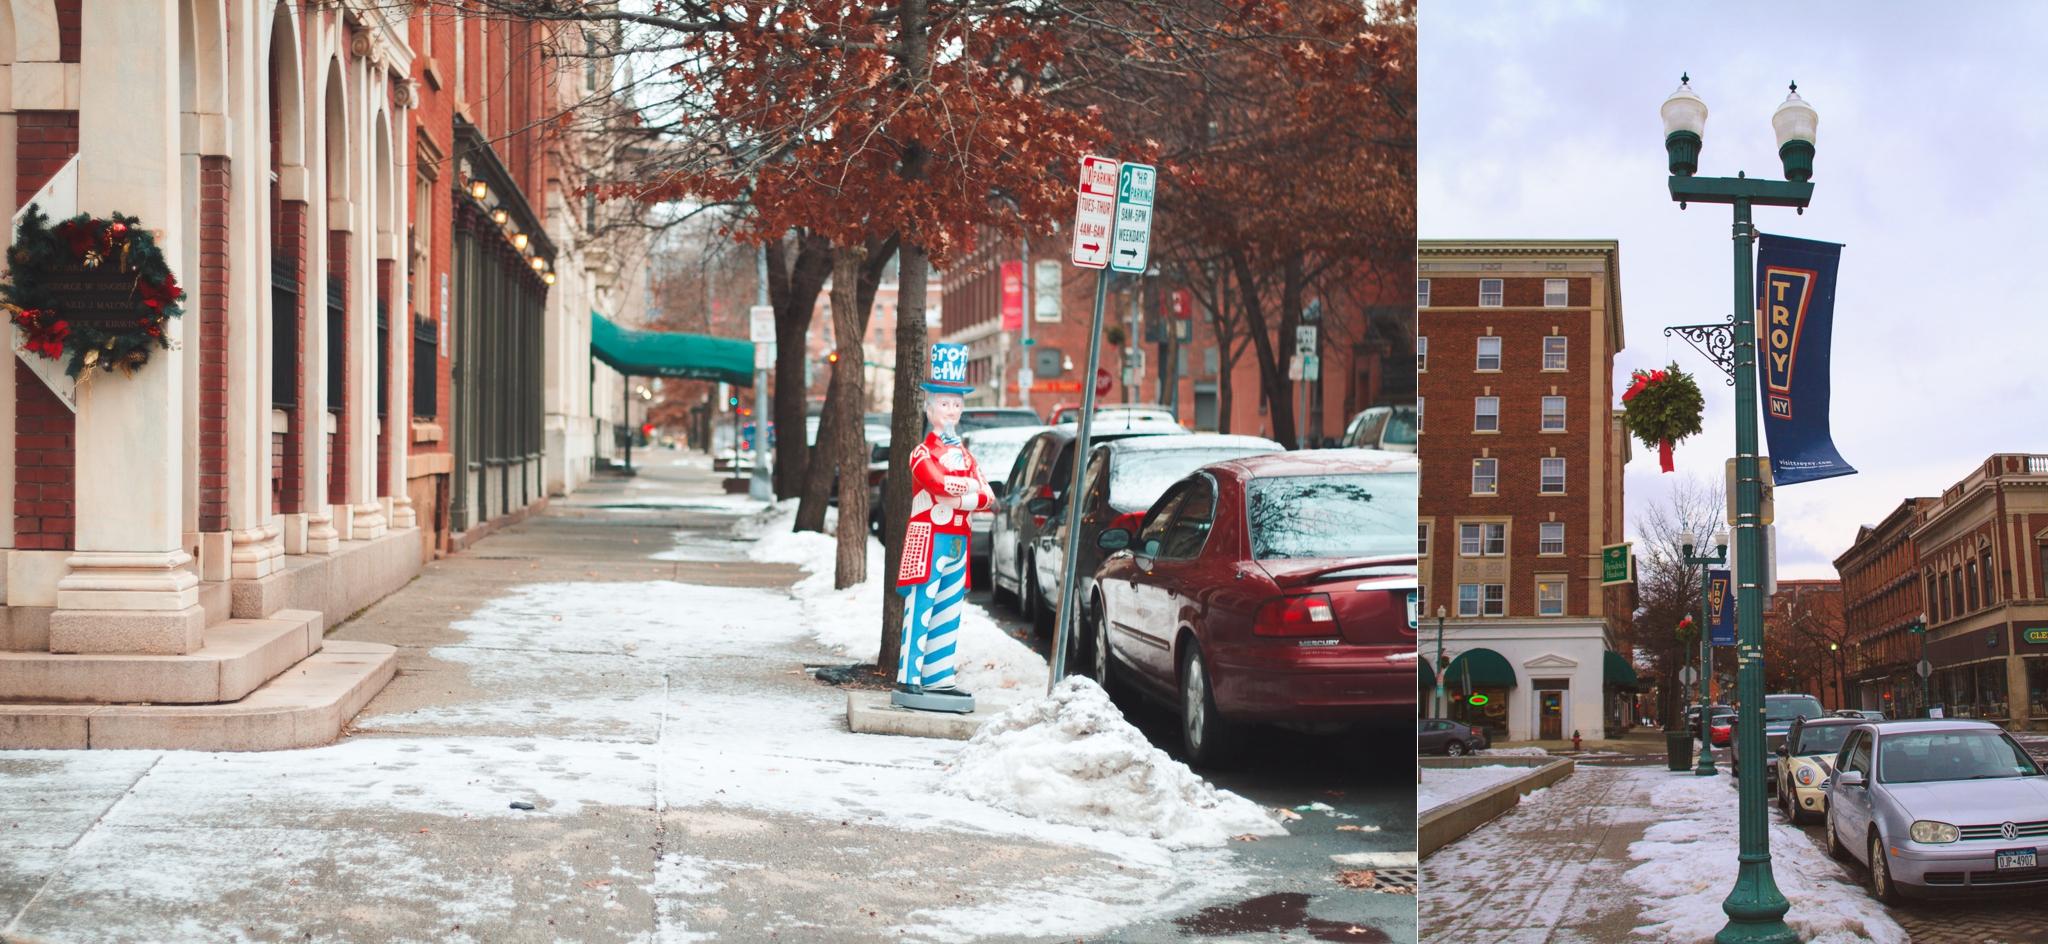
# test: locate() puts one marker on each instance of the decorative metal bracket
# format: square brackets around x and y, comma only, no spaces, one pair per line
[1716,341]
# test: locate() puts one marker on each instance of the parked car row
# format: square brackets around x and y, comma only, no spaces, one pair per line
[1222,576]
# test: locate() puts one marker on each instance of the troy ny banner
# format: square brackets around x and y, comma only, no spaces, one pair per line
[1795,282]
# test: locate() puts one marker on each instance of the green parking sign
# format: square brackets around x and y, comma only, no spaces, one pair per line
[1617,564]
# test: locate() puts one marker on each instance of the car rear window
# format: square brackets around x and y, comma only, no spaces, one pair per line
[1930,756]
[995,458]
[1786,709]
[996,419]
[1363,514]
[1825,739]
[1137,479]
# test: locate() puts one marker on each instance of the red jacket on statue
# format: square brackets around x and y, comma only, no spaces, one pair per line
[939,469]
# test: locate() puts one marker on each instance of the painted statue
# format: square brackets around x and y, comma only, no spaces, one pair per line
[947,484]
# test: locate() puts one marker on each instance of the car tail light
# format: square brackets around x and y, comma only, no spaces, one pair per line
[875,476]
[1308,614]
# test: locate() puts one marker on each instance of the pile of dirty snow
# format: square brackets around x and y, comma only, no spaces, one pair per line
[1070,757]
[1688,865]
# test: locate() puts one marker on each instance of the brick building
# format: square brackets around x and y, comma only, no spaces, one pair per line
[1882,600]
[1805,638]
[1522,455]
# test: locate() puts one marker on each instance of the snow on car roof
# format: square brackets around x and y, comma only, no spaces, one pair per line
[997,434]
[1325,461]
[1193,441]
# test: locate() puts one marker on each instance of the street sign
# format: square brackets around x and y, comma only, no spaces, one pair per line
[1688,674]
[764,356]
[1094,210]
[1925,668]
[1024,378]
[1135,184]
[1305,339]
[1304,367]
[1102,381]
[761,324]
[1617,564]
[1313,313]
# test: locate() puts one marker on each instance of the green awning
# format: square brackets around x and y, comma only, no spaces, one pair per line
[636,353]
[1485,667]
[1425,676]
[1619,673]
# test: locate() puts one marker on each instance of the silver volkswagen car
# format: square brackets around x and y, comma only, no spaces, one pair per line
[1939,808]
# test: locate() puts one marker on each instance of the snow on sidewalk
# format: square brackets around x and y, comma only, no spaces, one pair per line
[1441,785]
[1688,866]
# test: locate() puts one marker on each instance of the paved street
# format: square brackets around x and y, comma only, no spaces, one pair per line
[689,783]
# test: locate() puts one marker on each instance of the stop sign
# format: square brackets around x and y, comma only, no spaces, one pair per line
[1102,381]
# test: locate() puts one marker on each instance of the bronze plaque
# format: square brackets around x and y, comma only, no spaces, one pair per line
[103,296]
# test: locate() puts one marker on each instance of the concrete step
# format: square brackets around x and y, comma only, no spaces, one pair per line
[239,655]
[304,706]
[216,597]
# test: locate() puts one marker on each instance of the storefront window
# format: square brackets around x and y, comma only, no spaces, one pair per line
[2037,687]
[1971,691]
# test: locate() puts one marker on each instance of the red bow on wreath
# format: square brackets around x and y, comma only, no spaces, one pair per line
[1642,380]
[156,295]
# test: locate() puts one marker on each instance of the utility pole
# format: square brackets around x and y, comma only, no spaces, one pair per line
[762,488]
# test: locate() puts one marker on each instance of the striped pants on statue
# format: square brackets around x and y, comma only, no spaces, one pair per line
[931,617]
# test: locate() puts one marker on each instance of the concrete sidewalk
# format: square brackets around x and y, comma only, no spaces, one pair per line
[689,782]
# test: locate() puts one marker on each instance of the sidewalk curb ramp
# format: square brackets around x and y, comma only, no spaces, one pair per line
[1440,826]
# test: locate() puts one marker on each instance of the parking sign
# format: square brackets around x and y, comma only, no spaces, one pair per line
[1093,211]
[1135,185]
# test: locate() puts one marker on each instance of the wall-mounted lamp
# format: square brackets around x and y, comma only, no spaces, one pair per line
[498,216]
[548,277]
[519,240]
[479,189]
[539,263]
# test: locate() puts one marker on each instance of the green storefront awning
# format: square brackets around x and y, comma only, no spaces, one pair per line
[636,353]
[1484,667]
[1619,673]
[1425,676]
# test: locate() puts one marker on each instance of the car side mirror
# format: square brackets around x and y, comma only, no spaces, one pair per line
[997,489]
[1114,539]
[1784,750]
[1152,548]
[1043,506]
[1849,778]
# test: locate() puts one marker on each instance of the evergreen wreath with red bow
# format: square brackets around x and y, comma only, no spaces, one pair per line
[117,241]
[1663,407]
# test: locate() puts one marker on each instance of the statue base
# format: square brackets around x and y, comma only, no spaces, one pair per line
[932,700]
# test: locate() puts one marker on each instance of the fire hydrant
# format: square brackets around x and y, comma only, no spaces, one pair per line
[1575,740]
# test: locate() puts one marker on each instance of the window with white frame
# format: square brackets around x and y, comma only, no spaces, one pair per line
[1550,595]
[1554,348]
[1550,538]
[1468,539]
[1422,539]
[1552,482]
[1422,293]
[1421,598]
[1553,414]
[1482,538]
[1493,599]
[1486,476]
[1486,414]
[1418,415]
[1468,599]
[1421,354]
[1557,293]
[1489,353]
[1489,293]
[1496,538]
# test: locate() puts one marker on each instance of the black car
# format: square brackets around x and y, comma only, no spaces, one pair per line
[1441,735]
[1044,469]
[1123,479]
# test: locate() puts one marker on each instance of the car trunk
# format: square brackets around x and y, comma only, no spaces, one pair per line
[1369,597]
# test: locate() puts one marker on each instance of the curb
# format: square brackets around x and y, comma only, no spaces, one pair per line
[1440,826]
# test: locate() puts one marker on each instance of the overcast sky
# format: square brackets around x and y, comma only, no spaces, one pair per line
[1540,121]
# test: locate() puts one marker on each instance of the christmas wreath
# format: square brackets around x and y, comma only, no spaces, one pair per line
[1662,407]
[120,254]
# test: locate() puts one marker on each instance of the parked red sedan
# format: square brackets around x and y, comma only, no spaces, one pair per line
[1276,588]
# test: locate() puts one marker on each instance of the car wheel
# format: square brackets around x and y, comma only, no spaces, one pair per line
[1836,851]
[1882,887]
[1457,749]
[1209,740]
[1043,614]
[1101,662]
[996,592]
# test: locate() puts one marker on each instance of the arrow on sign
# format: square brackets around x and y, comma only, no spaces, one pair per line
[1092,247]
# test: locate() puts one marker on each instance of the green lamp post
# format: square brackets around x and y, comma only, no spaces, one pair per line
[1705,767]
[1922,668]
[1755,907]
[1443,708]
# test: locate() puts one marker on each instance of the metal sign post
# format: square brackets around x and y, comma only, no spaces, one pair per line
[762,318]
[1125,191]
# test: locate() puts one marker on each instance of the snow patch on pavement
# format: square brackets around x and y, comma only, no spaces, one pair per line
[1441,785]
[1070,757]
[1688,866]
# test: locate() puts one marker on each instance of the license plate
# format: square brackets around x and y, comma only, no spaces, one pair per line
[2015,859]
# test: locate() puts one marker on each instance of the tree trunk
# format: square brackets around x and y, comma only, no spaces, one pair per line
[906,430]
[817,485]
[1272,377]
[848,446]
[793,290]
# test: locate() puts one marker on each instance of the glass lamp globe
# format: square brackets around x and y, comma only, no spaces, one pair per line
[1720,539]
[1795,122]
[1685,124]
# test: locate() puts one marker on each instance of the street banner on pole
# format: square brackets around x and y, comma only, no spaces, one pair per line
[1795,284]
[1135,183]
[1720,608]
[1094,211]
[1013,296]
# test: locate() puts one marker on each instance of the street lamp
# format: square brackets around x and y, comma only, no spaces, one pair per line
[1921,668]
[1443,709]
[1755,907]
[1705,767]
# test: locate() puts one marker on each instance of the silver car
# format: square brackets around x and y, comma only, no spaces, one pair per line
[1939,808]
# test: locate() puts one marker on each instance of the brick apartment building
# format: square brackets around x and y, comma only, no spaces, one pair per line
[1981,547]
[1522,455]
[1882,600]
[1180,369]
[1804,641]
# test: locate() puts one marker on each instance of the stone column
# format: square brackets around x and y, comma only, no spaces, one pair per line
[129,589]
[398,436]
[255,535]
[367,88]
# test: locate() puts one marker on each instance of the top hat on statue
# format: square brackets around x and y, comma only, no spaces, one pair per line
[949,370]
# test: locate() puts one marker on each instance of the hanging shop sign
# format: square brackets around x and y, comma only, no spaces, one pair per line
[89,291]
[1795,285]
